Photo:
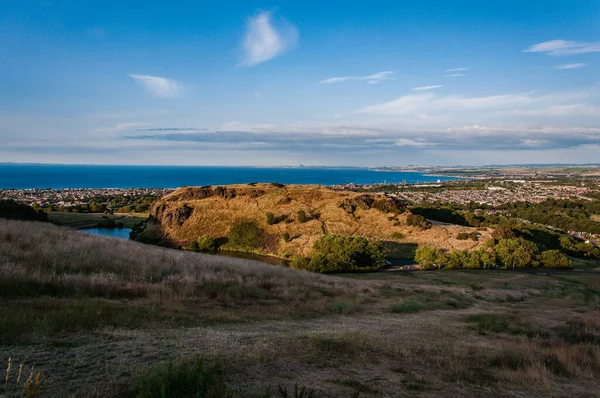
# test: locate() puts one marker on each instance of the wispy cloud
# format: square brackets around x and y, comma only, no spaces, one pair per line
[172,129]
[455,107]
[158,86]
[378,77]
[563,47]
[414,142]
[263,41]
[454,70]
[456,75]
[338,79]
[371,79]
[570,66]
[426,88]
[121,127]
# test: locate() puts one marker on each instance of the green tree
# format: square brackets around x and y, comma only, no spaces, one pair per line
[503,233]
[246,234]
[428,257]
[554,259]
[516,253]
[457,259]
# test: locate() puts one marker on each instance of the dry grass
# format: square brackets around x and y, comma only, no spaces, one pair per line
[38,261]
[94,314]
[595,217]
[214,215]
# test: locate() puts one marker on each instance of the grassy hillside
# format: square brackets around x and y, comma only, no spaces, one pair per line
[188,213]
[95,220]
[101,317]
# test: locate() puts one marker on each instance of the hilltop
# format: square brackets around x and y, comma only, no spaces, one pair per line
[293,217]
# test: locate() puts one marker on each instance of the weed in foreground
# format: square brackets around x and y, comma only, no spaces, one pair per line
[190,378]
[17,385]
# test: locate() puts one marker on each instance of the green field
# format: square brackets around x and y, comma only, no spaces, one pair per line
[92,220]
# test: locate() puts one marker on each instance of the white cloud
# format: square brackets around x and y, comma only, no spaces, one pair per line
[122,127]
[426,88]
[421,103]
[570,66]
[242,126]
[263,41]
[453,70]
[413,142]
[371,79]
[378,77]
[337,79]
[456,75]
[563,47]
[158,86]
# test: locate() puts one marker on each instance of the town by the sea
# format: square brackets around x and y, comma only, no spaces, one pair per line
[40,176]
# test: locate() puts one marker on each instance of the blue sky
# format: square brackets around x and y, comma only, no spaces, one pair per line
[312,82]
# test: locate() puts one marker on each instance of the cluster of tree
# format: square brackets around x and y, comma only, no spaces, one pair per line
[447,214]
[18,211]
[564,214]
[505,253]
[417,220]
[108,204]
[545,239]
[567,214]
[333,253]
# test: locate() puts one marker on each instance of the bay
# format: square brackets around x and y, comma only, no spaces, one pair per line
[39,176]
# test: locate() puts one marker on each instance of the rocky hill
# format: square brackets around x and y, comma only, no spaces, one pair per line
[300,214]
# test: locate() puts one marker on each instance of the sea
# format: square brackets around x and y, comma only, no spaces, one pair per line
[40,176]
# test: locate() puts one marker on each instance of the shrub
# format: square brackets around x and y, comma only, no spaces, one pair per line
[417,221]
[302,217]
[286,237]
[462,236]
[334,253]
[191,378]
[474,236]
[271,219]
[397,235]
[408,307]
[246,234]
[207,244]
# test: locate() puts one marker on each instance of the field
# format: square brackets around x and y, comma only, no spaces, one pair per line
[92,220]
[595,217]
[104,317]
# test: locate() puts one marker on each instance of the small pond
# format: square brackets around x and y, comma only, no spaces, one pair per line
[122,233]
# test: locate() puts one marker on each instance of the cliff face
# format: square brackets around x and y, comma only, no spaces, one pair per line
[190,212]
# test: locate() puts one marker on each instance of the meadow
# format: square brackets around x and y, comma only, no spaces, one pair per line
[105,317]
